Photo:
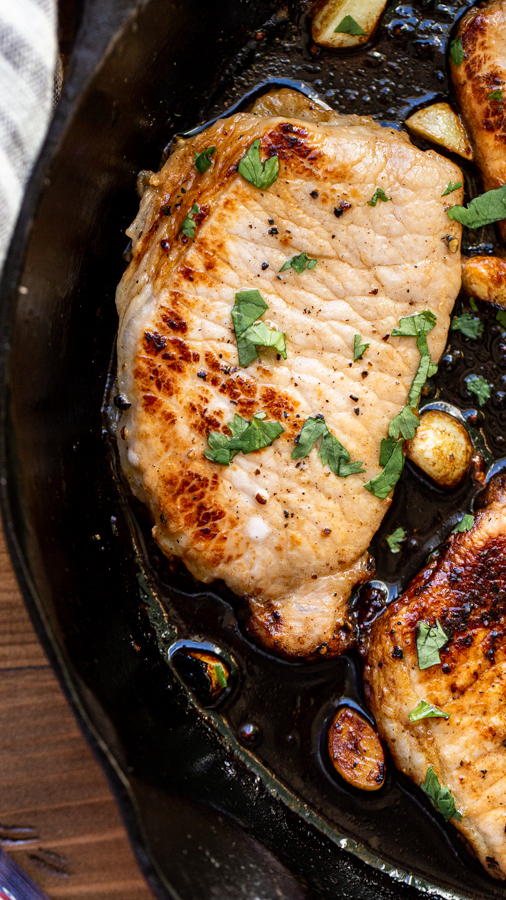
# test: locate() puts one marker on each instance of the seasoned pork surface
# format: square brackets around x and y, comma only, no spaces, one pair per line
[483,71]
[465,589]
[291,537]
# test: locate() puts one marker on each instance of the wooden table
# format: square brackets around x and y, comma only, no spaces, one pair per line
[58,819]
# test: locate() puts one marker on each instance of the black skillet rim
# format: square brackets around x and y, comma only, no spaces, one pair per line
[87,55]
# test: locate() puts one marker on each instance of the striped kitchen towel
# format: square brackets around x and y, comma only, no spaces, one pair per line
[28,53]
[14,884]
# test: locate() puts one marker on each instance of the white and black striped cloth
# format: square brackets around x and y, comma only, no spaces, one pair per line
[28,55]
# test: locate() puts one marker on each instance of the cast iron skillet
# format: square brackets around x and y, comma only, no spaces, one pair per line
[209,814]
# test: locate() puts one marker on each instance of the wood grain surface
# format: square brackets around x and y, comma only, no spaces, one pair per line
[58,819]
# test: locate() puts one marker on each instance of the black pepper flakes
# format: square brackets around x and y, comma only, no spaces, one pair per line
[273,230]
[314,194]
[397,653]
[265,266]
[343,206]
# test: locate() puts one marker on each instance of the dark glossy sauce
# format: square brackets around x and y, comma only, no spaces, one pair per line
[277,709]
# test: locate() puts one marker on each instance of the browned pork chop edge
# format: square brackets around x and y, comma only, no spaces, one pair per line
[464,588]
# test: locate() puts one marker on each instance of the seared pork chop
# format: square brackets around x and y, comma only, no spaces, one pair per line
[481,74]
[464,588]
[291,536]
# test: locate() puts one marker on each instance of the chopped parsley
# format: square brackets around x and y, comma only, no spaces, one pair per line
[429,641]
[440,796]
[331,452]
[473,304]
[379,194]
[260,174]
[457,52]
[203,160]
[469,325]
[426,710]
[483,210]
[501,317]
[358,348]
[250,334]
[392,458]
[417,326]
[395,540]
[495,95]
[220,675]
[299,263]
[246,437]
[480,387]
[426,369]
[189,225]
[451,187]
[349,26]
[465,524]
[403,426]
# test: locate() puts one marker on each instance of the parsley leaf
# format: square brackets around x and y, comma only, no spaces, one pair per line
[314,427]
[395,540]
[189,225]
[248,307]
[331,452]
[220,675]
[250,334]
[469,325]
[426,710]
[480,387]
[404,424]
[261,175]
[426,369]
[386,450]
[246,437]
[457,52]
[349,26]
[495,95]
[465,524]
[440,796]
[203,160]
[429,640]
[451,187]
[412,326]
[358,348]
[260,335]
[483,210]
[299,263]
[501,317]
[473,304]
[382,484]
[379,194]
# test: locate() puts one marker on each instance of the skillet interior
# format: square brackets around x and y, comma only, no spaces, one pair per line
[90,571]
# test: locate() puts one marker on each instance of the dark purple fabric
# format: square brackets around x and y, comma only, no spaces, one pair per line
[14,884]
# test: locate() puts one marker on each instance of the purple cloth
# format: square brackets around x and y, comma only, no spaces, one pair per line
[15,884]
